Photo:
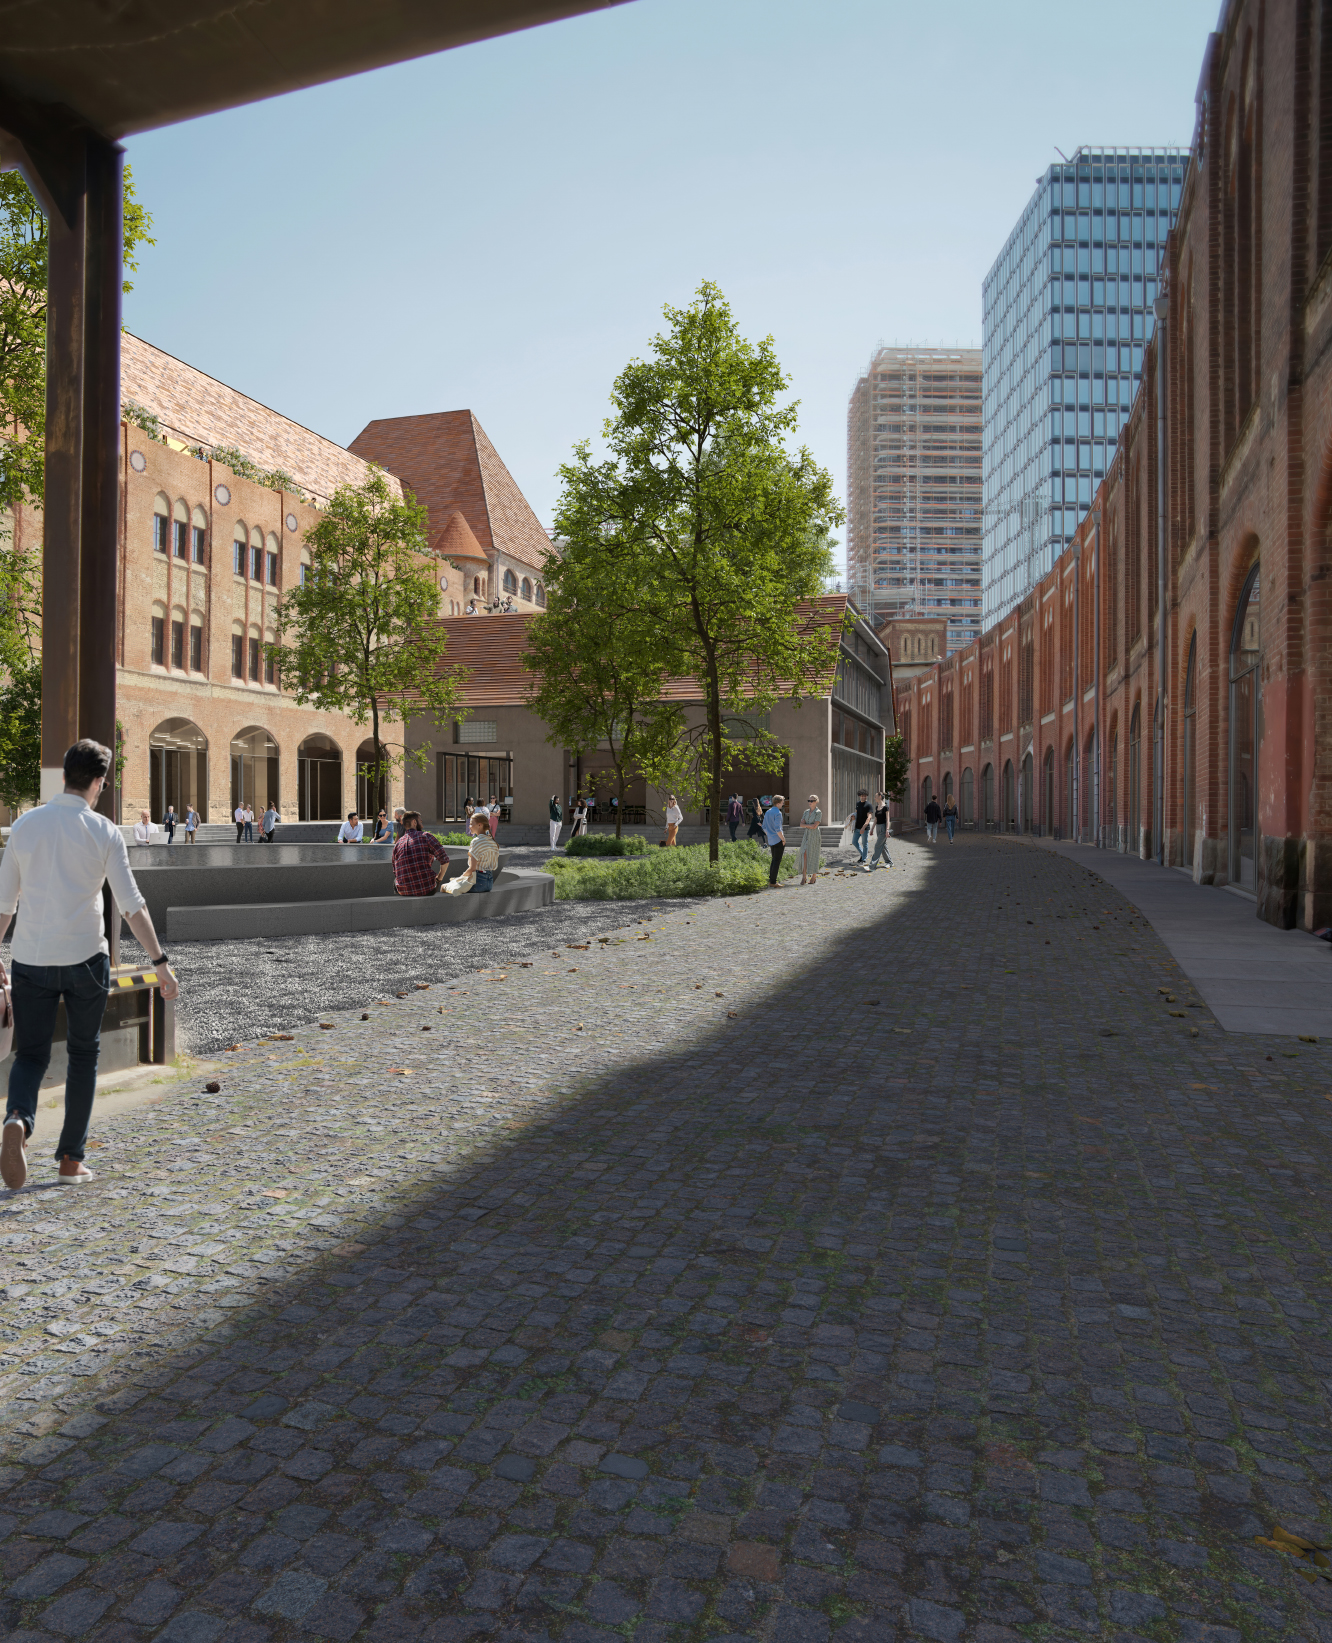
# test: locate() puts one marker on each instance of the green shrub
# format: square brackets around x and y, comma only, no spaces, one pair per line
[681,871]
[606,844]
[454,838]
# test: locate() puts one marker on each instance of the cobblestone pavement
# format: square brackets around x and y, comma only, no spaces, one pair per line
[893,1259]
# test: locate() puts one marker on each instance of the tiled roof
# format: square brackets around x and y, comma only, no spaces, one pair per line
[491,649]
[446,460]
[456,541]
[199,410]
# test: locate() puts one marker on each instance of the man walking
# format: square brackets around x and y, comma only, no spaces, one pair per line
[556,822]
[776,837]
[932,815]
[881,828]
[56,861]
[864,819]
[735,814]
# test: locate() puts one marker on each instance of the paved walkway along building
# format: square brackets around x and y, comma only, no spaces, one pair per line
[742,1293]
[1166,689]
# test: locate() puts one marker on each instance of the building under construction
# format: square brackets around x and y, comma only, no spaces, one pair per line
[913,449]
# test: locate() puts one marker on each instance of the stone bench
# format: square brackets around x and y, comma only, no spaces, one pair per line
[517,890]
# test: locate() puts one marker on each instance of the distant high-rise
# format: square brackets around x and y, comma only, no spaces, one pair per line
[913,462]
[1067,309]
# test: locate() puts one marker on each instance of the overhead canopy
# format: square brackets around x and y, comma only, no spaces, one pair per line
[133,66]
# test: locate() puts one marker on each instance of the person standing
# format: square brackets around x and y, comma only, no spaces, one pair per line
[249,822]
[169,824]
[191,823]
[811,821]
[468,811]
[352,830]
[56,861]
[776,837]
[674,816]
[881,829]
[735,814]
[556,821]
[268,827]
[932,815]
[398,828]
[494,818]
[419,859]
[861,822]
[239,819]
[579,818]
[950,817]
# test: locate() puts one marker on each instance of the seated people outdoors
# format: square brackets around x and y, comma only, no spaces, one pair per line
[419,859]
[383,830]
[352,830]
[482,855]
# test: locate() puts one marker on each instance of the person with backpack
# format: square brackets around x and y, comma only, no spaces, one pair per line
[932,815]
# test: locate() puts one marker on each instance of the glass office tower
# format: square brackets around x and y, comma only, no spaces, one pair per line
[1067,309]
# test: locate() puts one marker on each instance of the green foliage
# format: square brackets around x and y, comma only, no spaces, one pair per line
[21,735]
[139,416]
[602,844]
[896,767]
[276,479]
[360,635]
[454,838]
[703,532]
[24,257]
[740,870]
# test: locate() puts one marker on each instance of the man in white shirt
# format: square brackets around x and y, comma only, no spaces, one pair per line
[54,864]
[239,819]
[352,830]
[249,824]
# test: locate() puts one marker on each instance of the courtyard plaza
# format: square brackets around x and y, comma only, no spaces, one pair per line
[909,1257]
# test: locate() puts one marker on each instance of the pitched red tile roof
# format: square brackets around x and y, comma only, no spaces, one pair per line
[197,409]
[445,458]
[456,541]
[491,649]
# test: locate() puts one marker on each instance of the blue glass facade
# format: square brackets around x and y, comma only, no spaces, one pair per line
[1067,310]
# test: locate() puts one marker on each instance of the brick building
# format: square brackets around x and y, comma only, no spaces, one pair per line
[206,554]
[479,520]
[1179,704]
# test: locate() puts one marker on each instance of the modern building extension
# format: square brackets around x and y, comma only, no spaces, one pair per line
[1067,311]
[913,459]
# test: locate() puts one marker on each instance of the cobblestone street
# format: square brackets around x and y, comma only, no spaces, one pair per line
[911,1257]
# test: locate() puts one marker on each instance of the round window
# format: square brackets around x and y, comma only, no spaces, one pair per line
[291,521]
[223,495]
[138,461]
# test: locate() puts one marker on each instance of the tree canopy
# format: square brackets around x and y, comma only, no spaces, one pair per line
[706,530]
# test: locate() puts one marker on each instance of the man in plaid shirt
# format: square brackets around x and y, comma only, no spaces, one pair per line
[419,859]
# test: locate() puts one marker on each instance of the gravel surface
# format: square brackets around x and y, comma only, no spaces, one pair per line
[907,1260]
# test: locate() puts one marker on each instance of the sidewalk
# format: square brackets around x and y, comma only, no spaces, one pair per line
[1254,977]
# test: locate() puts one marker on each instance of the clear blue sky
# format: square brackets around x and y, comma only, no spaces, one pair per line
[498,227]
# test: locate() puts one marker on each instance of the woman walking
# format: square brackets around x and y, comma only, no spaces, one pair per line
[755,828]
[674,816]
[950,816]
[556,821]
[579,817]
[811,839]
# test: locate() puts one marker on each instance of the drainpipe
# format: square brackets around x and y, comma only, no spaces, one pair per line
[1096,683]
[1161,307]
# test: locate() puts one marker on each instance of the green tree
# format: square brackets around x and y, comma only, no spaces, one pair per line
[361,634]
[599,675]
[24,261]
[896,767]
[21,734]
[713,529]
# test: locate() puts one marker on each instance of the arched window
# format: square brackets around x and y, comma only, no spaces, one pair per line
[157,636]
[271,561]
[178,637]
[510,582]
[1245,732]
[1134,817]
[926,793]
[198,535]
[1111,791]
[270,666]
[476,584]
[947,786]
[1187,820]
[526,589]
[237,648]
[256,555]
[240,536]
[968,805]
[161,523]
[1047,793]
[1026,795]
[180,531]
[540,596]
[1010,798]
[254,769]
[178,768]
[319,779]
[1070,797]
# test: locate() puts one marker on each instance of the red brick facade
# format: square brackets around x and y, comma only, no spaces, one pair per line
[1047,723]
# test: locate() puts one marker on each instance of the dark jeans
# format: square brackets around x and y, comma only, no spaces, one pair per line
[775,855]
[484,882]
[732,825]
[950,822]
[37,991]
[240,828]
[249,832]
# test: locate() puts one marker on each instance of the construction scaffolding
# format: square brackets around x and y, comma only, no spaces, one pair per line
[915,488]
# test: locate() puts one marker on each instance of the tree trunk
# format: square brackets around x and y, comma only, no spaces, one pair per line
[715,775]
[376,767]
[619,808]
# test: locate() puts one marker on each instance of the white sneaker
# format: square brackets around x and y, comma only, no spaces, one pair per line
[13,1154]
